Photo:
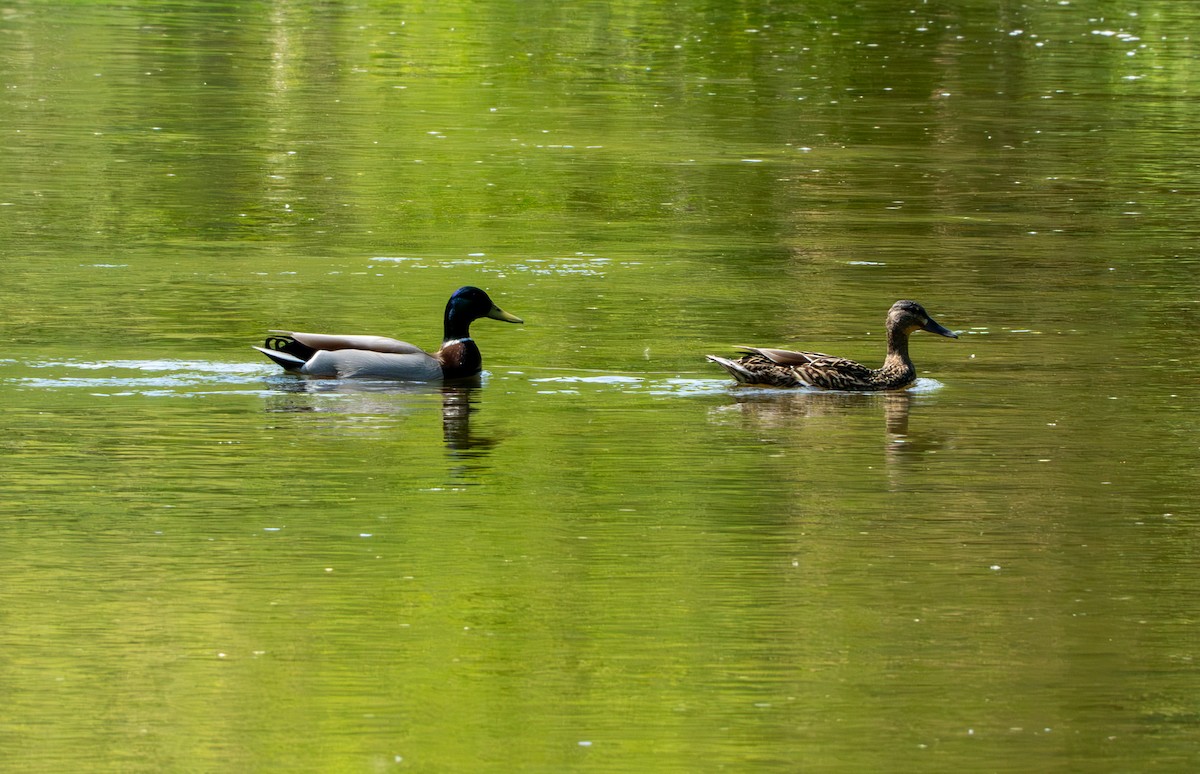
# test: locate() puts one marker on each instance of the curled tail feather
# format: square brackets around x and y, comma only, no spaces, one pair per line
[287,352]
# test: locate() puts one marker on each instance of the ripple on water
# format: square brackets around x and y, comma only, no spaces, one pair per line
[650,385]
[579,264]
[166,377]
[145,377]
[680,386]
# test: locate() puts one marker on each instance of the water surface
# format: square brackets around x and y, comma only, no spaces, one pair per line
[605,557]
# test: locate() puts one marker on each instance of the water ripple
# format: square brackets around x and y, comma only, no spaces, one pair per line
[148,377]
[680,386]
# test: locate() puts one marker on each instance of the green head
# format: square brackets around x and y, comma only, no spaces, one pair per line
[467,305]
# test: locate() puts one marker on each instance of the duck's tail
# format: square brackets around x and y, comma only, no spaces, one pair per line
[287,352]
[735,369]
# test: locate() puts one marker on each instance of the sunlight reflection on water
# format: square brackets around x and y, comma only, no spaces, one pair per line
[151,377]
[689,387]
[174,377]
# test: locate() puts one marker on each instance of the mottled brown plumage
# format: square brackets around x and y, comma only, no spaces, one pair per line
[785,368]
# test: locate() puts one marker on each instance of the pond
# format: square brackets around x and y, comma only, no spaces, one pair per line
[605,556]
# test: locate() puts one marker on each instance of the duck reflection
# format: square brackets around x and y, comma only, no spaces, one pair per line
[381,399]
[777,408]
[459,402]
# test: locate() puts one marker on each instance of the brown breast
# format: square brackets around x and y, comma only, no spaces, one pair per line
[460,359]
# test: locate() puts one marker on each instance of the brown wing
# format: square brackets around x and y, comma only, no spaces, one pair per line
[785,357]
[785,367]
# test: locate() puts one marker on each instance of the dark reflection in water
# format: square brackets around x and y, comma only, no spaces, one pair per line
[778,407]
[382,398]
[459,402]
[787,409]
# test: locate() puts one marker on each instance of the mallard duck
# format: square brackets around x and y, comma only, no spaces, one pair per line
[785,368]
[378,357]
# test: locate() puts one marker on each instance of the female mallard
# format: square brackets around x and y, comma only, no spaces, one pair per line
[784,368]
[378,357]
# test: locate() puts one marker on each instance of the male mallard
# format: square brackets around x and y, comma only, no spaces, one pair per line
[784,368]
[378,357]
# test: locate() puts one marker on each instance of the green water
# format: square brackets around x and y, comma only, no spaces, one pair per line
[606,558]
